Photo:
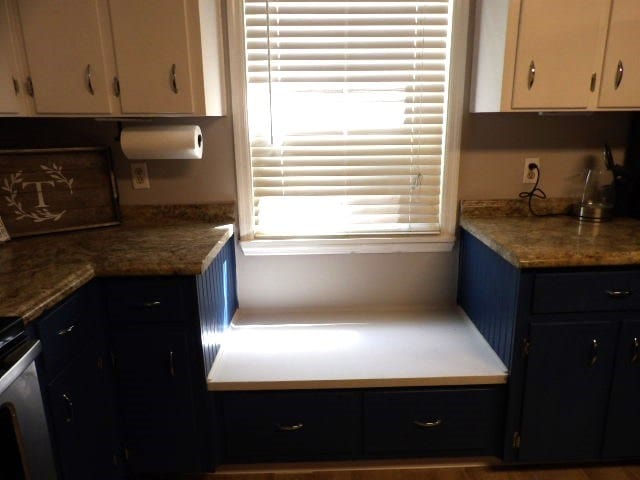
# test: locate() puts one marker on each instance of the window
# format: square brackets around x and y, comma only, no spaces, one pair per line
[343,120]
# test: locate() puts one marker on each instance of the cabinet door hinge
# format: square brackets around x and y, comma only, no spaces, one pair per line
[526,346]
[516,440]
[126,454]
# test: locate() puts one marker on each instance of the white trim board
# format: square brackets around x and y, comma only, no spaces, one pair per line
[349,349]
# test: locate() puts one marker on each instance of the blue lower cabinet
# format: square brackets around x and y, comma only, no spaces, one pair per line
[84,421]
[571,340]
[623,421]
[291,425]
[566,393]
[426,422]
[163,334]
[77,385]
[156,401]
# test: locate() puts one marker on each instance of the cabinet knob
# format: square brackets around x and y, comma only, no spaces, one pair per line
[532,75]
[635,350]
[88,75]
[174,82]
[435,423]
[593,354]
[290,428]
[619,74]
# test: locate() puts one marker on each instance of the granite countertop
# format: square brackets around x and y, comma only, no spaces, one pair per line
[38,272]
[556,241]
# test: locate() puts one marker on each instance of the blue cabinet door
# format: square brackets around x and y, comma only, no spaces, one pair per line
[83,420]
[623,423]
[566,390]
[155,396]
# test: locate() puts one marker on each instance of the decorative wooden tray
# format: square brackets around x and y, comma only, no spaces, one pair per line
[58,189]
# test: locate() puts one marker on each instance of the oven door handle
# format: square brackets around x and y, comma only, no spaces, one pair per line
[27,354]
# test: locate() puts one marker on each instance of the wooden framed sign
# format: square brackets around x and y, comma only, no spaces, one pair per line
[58,189]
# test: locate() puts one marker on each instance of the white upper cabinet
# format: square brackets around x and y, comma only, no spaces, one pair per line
[558,51]
[547,55]
[12,92]
[621,70]
[67,47]
[168,56]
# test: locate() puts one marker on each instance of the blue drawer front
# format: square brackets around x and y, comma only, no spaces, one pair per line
[601,291]
[425,422]
[270,426]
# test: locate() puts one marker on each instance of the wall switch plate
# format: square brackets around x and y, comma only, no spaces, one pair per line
[531,176]
[140,176]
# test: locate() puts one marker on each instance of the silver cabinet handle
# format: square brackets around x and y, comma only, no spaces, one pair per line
[289,428]
[29,85]
[116,86]
[16,85]
[435,423]
[174,83]
[593,355]
[592,86]
[532,75]
[618,293]
[67,331]
[88,75]
[619,74]
[69,405]
[172,368]
[635,350]
[150,304]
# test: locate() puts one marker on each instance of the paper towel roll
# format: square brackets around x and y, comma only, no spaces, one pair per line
[161,142]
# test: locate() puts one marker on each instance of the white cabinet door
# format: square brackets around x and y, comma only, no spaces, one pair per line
[153,57]
[562,42]
[621,69]
[64,46]
[10,100]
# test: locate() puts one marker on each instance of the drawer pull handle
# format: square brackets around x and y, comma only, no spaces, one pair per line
[531,77]
[618,293]
[635,350]
[619,74]
[153,304]
[172,367]
[67,331]
[593,356]
[174,81]
[435,423]
[290,428]
[89,77]
[69,405]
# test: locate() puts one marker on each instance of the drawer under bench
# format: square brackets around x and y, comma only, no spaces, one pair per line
[293,425]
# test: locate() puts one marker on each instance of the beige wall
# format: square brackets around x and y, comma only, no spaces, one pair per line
[493,150]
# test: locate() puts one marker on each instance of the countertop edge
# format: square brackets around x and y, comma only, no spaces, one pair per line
[358,383]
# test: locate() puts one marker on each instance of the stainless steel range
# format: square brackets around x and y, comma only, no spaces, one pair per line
[25,447]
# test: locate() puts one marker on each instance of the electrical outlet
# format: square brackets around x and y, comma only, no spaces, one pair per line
[530,176]
[140,176]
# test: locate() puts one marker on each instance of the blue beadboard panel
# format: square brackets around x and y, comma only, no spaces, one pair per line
[488,292]
[217,300]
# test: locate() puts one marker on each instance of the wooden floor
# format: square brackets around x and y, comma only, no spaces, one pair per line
[456,472]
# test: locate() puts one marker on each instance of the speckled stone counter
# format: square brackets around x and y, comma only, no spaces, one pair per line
[38,272]
[558,241]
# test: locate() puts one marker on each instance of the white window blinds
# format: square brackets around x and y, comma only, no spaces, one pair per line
[346,105]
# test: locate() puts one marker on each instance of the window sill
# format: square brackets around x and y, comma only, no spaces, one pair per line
[314,246]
